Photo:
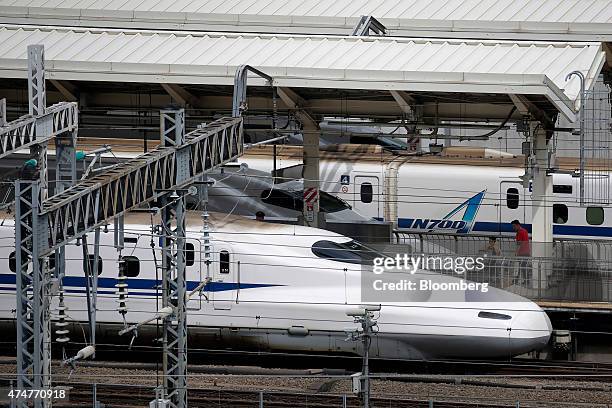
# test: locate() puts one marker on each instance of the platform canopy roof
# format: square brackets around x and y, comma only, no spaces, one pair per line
[569,20]
[361,63]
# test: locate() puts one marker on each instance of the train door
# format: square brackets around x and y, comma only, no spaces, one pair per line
[224,279]
[366,196]
[511,204]
[195,270]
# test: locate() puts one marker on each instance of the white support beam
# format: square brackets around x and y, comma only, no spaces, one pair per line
[520,103]
[407,104]
[295,102]
[311,133]
[68,90]
[182,96]
[526,107]
[542,210]
[404,100]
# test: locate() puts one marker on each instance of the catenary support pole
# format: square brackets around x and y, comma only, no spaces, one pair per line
[174,287]
[31,237]
[32,289]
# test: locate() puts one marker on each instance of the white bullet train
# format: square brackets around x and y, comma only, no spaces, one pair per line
[287,287]
[461,191]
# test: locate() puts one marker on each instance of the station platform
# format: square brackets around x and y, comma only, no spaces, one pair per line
[583,307]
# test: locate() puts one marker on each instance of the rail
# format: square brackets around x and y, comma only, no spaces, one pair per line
[127,395]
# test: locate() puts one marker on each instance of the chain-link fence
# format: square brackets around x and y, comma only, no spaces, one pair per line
[596,143]
[566,270]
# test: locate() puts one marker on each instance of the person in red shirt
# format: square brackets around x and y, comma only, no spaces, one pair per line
[522,239]
[522,249]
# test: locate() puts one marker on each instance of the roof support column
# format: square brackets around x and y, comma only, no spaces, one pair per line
[409,108]
[311,133]
[311,177]
[542,209]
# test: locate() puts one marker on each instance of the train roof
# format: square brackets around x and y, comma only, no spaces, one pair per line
[222,223]
[454,155]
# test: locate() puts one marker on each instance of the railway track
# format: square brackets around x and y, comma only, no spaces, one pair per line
[214,386]
[120,396]
[348,365]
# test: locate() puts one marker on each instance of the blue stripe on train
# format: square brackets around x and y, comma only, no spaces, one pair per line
[138,283]
[483,226]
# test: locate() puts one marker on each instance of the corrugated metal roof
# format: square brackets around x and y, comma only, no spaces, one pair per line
[531,19]
[307,61]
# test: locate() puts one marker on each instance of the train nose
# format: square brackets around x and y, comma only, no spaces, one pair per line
[530,330]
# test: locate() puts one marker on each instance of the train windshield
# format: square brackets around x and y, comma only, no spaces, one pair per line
[350,252]
[293,200]
[331,204]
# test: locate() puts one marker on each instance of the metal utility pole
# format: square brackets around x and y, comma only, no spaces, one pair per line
[37,107]
[174,286]
[365,317]
[31,229]
[32,290]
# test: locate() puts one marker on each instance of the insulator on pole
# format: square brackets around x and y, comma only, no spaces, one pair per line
[62,324]
[82,354]
[122,293]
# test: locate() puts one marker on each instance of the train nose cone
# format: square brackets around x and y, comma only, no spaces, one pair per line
[530,330]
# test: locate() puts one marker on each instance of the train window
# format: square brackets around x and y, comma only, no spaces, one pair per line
[562,189]
[189,254]
[224,262]
[594,215]
[492,315]
[13,262]
[129,266]
[560,213]
[350,252]
[91,263]
[331,204]
[367,192]
[512,198]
